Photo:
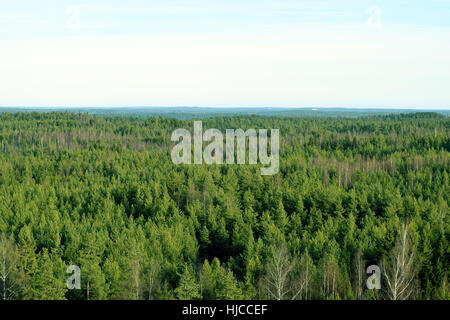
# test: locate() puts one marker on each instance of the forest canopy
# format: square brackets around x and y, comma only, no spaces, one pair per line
[102,193]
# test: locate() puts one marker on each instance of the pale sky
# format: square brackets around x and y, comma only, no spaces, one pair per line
[228,53]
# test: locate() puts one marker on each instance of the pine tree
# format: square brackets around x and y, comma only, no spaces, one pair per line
[188,287]
[48,283]
[28,262]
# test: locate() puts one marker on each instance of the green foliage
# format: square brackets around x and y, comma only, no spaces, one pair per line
[102,193]
[188,287]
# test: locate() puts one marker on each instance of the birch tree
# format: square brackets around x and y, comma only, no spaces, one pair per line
[152,276]
[278,273]
[303,282]
[359,275]
[330,277]
[400,268]
[9,261]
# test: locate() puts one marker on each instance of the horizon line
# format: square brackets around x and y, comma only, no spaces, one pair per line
[240,107]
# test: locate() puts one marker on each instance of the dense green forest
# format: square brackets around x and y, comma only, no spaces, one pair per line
[102,193]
